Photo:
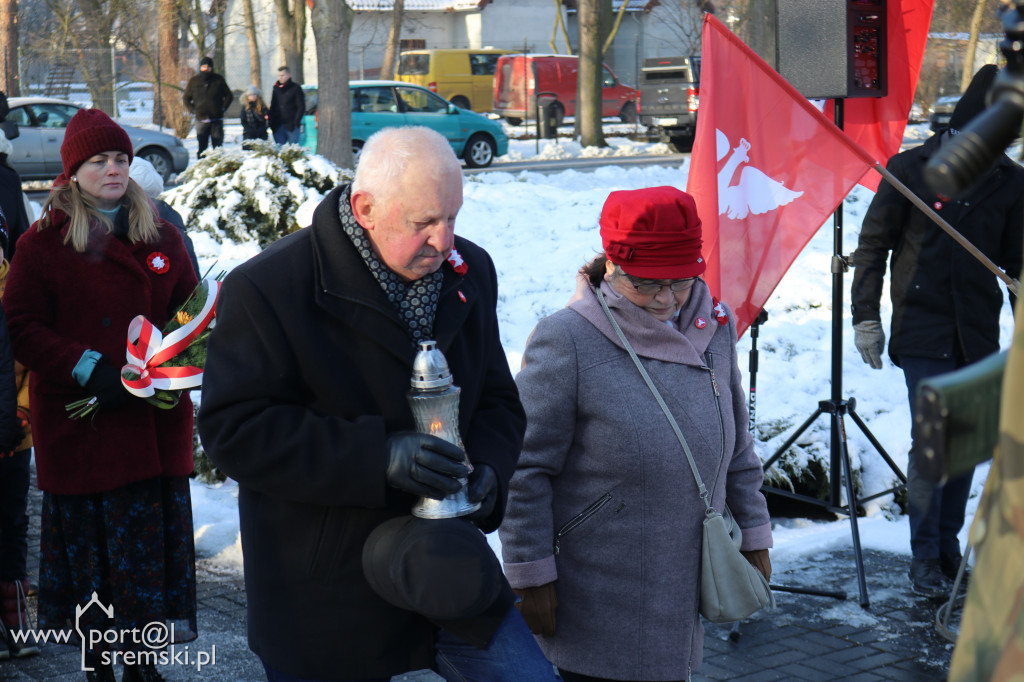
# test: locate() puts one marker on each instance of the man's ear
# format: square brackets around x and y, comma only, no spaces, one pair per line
[362,208]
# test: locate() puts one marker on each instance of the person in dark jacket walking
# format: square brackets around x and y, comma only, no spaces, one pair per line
[207,96]
[945,307]
[116,512]
[287,107]
[304,404]
[254,115]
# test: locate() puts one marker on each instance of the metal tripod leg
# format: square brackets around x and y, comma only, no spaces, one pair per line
[851,503]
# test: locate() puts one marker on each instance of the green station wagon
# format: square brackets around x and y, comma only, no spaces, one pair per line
[382,104]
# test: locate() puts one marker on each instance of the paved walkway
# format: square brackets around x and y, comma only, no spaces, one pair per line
[806,637]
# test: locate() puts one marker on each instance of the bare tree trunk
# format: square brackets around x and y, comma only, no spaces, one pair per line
[614,29]
[560,24]
[170,77]
[94,54]
[219,9]
[11,83]
[332,24]
[588,110]
[972,44]
[291,27]
[255,68]
[390,65]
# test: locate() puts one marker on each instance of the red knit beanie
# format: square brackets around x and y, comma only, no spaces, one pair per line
[91,132]
[653,233]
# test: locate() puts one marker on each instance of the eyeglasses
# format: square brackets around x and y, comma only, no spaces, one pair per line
[646,287]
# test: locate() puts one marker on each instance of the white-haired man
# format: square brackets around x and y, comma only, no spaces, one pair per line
[304,404]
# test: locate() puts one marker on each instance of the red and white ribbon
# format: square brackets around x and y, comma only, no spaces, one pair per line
[148,348]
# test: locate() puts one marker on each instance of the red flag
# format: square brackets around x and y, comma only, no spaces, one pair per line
[767,170]
[877,123]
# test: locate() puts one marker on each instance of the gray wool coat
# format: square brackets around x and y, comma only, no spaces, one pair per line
[603,501]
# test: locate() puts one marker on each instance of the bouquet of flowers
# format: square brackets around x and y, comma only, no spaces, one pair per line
[163,363]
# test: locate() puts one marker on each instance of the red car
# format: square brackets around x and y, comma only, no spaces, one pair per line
[553,78]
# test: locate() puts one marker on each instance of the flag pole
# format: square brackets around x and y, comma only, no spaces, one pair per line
[1012,284]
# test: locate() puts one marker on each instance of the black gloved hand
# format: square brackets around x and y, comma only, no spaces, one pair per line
[424,465]
[483,488]
[105,384]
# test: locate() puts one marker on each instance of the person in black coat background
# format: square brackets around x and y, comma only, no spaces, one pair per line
[946,307]
[14,482]
[254,115]
[304,404]
[12,201]
[207,97]
[287,107]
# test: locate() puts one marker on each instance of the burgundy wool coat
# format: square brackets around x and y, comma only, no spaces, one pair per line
[61,303]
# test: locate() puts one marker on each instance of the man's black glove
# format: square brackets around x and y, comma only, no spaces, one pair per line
[105,384]
[424,465]
[483,488]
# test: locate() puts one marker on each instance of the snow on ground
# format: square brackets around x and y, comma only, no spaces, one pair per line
[539,228]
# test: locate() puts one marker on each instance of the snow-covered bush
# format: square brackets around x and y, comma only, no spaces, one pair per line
[253,194]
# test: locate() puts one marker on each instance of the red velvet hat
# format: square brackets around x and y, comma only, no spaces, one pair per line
[91,132]
[653,233]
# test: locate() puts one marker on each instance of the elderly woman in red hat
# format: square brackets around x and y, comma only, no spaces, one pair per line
[602,536]
[117,548]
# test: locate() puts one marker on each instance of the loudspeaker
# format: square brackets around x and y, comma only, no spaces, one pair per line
[829,49]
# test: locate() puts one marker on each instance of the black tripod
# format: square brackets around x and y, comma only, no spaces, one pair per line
[837,408]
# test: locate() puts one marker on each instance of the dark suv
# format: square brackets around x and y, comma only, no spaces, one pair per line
[669,96]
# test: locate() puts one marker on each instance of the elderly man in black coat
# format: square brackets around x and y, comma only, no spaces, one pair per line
[304,404]
[945,307]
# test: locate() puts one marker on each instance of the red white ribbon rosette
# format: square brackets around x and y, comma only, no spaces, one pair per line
[148,348]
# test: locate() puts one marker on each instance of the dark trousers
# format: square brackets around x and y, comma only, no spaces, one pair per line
[14,477]
[209,132]
[936,512]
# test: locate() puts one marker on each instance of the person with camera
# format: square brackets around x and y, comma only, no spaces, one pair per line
[946,307]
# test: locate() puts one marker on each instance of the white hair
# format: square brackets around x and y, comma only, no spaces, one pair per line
[390,152]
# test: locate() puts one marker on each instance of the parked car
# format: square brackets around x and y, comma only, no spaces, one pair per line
[669,98]
[41,122]
[552,78]
[941,111]
[384,104]
[464,77]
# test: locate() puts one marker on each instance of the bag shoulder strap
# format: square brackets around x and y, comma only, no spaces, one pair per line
[701,490]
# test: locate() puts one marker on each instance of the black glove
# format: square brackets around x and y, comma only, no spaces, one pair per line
[424,465]
[483,488]
[105,384]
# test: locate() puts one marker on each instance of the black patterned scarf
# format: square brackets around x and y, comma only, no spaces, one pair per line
[416,302]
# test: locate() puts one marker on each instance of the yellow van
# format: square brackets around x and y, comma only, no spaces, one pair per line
[465,77]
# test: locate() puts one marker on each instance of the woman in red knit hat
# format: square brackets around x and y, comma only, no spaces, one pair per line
[602,535]
[116,520]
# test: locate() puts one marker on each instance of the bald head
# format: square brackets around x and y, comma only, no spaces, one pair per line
[392,152]
[406,194]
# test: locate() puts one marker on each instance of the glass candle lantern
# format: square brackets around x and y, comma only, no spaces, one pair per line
[434,400]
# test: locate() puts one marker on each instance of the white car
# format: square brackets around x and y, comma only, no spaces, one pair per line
[41,122]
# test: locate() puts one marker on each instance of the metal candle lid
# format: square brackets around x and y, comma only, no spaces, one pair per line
[430,368]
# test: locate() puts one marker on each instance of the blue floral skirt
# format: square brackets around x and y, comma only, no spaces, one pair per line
[118,562]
